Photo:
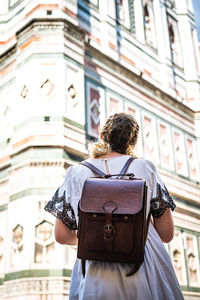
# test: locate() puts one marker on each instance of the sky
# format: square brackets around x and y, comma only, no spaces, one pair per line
[196,5]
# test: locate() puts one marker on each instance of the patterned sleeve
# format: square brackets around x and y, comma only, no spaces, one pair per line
[60,207]
[161,199]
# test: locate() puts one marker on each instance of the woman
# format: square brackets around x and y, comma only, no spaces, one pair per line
[155,279]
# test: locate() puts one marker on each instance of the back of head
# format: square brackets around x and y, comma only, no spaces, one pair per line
[119,134]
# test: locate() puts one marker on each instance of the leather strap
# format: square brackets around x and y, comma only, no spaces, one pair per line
[108,229]
[102,174]
[134,269]
[93,168]
[125,167]
[136,266]
[83,266]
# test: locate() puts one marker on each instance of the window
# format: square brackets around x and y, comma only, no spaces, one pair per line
[149,23]
[175,45]
[123,13]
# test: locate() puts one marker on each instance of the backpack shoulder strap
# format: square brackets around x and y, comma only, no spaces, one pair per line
[102,174]
[125,167]
[93,168]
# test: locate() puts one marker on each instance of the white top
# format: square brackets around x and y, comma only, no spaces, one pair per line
[156,279]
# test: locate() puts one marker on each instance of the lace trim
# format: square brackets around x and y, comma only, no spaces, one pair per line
[159,205]
[58,207]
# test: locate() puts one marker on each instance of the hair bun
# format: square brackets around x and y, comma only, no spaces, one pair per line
[120,132]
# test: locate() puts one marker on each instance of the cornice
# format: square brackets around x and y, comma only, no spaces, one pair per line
[44,24]
[8,53]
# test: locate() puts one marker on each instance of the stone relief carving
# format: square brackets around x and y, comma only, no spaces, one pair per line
[17,246]
[44,243]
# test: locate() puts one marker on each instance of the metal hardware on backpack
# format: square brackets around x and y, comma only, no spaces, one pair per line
[112,218]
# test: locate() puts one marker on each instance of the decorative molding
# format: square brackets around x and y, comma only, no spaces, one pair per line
[36,287]
[44,24]
[7,54]
[73,31]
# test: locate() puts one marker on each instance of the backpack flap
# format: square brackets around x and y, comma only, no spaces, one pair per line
[126,194]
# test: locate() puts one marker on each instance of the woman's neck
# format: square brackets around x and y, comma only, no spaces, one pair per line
[111,154]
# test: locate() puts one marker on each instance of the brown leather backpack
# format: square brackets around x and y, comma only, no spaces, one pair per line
[112,218]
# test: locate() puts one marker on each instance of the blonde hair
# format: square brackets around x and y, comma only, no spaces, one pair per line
[119,134]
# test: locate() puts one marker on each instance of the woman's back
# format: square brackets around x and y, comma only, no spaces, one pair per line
[155,279]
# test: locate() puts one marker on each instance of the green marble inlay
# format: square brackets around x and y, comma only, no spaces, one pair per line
[3,173]
[51,118]
[182,229]
[3,207]
[190,289]
[26,122]
[36,273]
[38,153]
[50,55]
[187,203]
[13,16]
[71,122]
[13,3]
[70,59]
[44,154]
[32,192]
[8,83]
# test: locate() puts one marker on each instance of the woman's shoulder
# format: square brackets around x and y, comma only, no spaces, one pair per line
[77,170]
[145,163]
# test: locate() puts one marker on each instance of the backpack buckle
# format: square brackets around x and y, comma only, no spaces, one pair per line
[109,232]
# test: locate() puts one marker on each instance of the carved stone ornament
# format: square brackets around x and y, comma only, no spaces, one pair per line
[72,91]
[177,259]
[95,113]
[47,87]
[72,95]
[192,264]
[24,92]
[17,234]
[44,231]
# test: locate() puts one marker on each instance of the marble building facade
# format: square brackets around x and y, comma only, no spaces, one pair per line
[65,65]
